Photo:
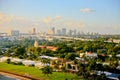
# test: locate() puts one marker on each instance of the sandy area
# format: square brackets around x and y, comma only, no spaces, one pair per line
[14,76]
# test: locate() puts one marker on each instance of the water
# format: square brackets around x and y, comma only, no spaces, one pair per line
[2,77]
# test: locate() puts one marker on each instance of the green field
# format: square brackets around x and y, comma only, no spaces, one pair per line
[36,73]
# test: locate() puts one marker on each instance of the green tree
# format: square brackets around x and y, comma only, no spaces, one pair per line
[45,60]
[70,56]
[83,72]
[103,76]
[20,51]
[8,61]
[47,70]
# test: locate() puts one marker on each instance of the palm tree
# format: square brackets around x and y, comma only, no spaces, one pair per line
[47,70]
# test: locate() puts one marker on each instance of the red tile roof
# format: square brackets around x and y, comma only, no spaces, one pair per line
[52,48]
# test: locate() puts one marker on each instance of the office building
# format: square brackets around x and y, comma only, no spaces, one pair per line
[33,31]
[53,30]
[13,33]
[70,33]
[58,32]
[63,31]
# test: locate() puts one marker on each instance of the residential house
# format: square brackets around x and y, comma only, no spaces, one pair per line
[57,64]
[16,60]
[41,65]
[52,48]
[28,62]
[71,66]
[89,55]
[4,59]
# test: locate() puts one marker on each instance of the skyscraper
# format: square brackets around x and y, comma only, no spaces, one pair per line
[53,30]
[13,33]
[33,31]
[58,32]
[70,33]
[63,31]
[75,32]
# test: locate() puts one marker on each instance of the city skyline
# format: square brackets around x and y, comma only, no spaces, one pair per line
[101,16]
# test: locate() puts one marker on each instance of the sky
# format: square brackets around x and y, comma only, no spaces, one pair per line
[102,16]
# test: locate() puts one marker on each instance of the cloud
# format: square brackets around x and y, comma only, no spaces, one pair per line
[75,24]
[47,20]
[51,19]
[58,17]
[4,18]
[86,10]
[21,23]
[1,16]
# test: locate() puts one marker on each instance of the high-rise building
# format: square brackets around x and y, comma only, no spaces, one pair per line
[70,33]
[33,31]
[13,33]
[58,32]
[50,32]
[75,32]
[53,30]
[63,31]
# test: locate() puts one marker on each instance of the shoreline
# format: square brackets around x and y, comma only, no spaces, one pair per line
[13,76]
[16,76]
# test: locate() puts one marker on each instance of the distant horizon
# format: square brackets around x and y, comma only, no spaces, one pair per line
[101,16]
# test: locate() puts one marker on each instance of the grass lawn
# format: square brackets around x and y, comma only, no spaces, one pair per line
[35,72]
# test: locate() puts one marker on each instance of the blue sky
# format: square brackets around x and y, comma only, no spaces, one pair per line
[101,16]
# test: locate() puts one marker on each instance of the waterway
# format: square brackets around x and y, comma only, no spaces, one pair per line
[2,77]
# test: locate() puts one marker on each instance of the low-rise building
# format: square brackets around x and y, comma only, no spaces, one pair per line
[16,60]
[28,62]
[57,64]
[4,59]
[41,65]
[89,55]
[71,66]
[52,48]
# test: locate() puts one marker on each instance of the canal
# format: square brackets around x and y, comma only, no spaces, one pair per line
[2,77]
